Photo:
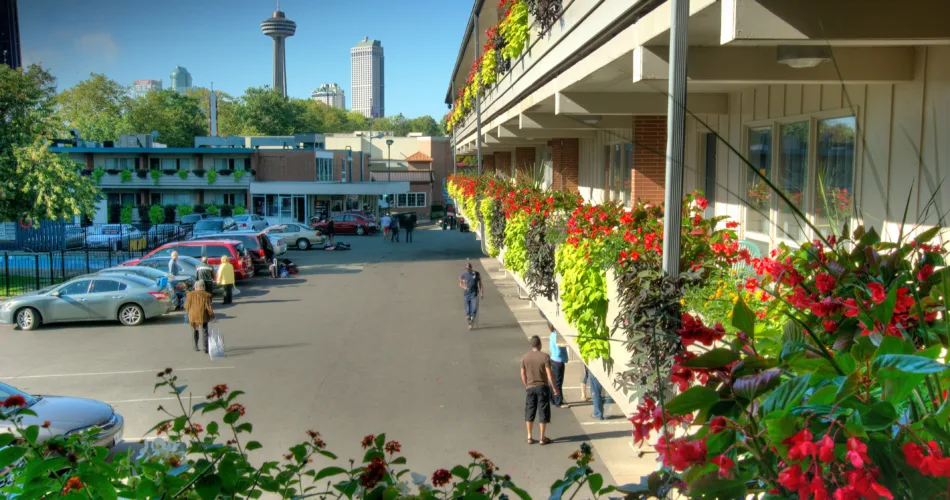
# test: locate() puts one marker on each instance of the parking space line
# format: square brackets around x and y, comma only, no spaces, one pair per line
[533,321]
[96,374]
[607,422]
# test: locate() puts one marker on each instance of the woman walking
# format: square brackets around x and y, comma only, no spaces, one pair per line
[226,278]
[199,311]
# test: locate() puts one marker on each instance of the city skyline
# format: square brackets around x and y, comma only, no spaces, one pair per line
[231,51]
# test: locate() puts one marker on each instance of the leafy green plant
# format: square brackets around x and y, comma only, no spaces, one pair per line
[489,73]
[515,29]
[485,212]
[584,298]
[238,174]
[212,209]
[212,176]
[125,176]
[182,174]
[125,216]
[239,209]
[156,175]
[156,214]
[97,175]
[184,210]
[516,251]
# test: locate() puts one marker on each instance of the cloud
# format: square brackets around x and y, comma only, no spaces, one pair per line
[100,46]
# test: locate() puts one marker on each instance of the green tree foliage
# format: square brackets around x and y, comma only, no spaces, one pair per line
[178,118]
[35,183]
[266,112]
[228,121]
[94,107]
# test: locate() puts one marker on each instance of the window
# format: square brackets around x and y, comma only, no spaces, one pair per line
[759,194]
[220,163]
[271,205]
[227,199]
[324,170]
[169,164]
[105,286]
[184,164]
[120,163]
[75,288]
[411,200]
[189,251]
[286,207]
[834,166]
[792,177]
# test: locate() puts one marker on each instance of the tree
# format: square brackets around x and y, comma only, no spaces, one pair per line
[94,107]
[426,125]
[178,118]
[267,112]
[35,183]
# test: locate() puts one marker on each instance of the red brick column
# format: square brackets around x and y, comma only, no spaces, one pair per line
[524,161]
[565,155]
[648,178]
[503,162]
[488,164]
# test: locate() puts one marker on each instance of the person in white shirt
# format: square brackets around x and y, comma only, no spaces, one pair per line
[384,221]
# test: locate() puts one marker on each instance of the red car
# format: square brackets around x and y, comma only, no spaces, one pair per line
[212,249]
[349,223]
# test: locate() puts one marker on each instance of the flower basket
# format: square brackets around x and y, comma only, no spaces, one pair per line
[226,171]
[141,173]
[199,172]
[169,171]
[112,171]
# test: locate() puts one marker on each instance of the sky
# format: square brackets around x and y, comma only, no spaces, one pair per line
[220,41]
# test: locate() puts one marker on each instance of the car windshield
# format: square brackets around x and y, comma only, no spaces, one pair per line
[138,280]
[209,225]
[7,391]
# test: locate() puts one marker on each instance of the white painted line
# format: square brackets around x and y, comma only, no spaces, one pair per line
[156,370]
[607,422]
[143,400]
[533,321]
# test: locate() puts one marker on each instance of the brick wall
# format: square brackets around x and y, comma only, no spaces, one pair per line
[648,178]
[503,162]
[524,161]
[565,155]
[285,165]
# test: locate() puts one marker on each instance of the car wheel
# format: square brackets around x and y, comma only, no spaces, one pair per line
[303,244]
[360,231]
[131,315]
[28,319]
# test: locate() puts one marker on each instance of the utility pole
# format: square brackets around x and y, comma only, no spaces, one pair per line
[675,138]
[478,101]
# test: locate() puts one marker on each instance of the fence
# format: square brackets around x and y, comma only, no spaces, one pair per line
[51,236]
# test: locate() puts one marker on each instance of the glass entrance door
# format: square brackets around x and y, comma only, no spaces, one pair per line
[300,208]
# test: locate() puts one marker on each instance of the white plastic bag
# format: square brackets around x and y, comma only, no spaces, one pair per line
[234,290]
[215,342]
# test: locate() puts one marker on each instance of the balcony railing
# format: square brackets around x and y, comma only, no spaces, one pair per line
[174,180]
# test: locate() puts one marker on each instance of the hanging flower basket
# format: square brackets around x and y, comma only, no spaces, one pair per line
[199,172]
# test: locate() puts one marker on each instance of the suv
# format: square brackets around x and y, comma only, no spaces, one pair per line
[212,249]
[250,222]
[253,241]
[213,225]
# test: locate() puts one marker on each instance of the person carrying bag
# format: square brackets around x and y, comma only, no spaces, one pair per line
[199,313]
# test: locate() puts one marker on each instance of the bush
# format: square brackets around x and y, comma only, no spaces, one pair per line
[212,209]
[182,174]
[156,214]
[125,216]
[239,209]
[238,174]
[125,176]
[212,175]
[184,210]
[97,175]
[156,175]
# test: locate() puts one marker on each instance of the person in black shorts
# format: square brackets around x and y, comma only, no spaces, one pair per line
[538,384]
[330,230]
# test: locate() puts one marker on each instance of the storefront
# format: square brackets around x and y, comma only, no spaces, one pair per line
[301,201]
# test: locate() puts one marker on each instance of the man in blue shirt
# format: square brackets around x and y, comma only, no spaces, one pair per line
[558,361]
[471,282]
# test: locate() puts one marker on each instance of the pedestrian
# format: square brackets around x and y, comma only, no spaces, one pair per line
[204,273]
[226,278]
[558,363]
[330,230]
[471,282]
[596,395]
[384,222]
[394,229]
[538,384]
[410,224]
[199,311]
[174,268]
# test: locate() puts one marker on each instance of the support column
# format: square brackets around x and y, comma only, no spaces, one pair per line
[676,137]
[565,155]
[478,104]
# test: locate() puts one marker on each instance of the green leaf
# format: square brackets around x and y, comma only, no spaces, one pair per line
[863,349]
[743,318]
[893,365]
[6,438]
[716,358]
[522,494]
[893,345]
[882,416]
[228,472]
[101,485]
[848,387]
[823,396]
[694,398]
[786,395]
[253,445]
[212,428]
[380,439]
[31,433]
[750,387]
[595,481]
[208,487]
[460,471]
[11,454]
[780,429]
[371,454]
[328,472]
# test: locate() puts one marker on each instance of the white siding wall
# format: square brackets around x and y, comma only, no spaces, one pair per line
[593,160]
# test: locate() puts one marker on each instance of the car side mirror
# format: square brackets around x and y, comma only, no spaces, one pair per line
[54,294]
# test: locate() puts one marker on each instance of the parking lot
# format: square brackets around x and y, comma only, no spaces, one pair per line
[363,341]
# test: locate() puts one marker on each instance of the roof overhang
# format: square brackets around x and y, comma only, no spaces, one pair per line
[304,188]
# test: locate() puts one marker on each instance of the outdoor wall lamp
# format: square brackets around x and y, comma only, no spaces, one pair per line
[803,56]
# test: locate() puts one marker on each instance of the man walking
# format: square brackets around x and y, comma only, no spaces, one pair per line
[558,360]
[330,230]
[471,282]
[394,229]
[174,268]
[538,383]
[410,224]
[204,273]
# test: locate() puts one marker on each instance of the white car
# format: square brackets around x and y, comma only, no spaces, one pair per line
[114,236]
[249,222]
[298,235]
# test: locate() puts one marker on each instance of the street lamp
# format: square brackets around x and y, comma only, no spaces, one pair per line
[389,154]
[349,166]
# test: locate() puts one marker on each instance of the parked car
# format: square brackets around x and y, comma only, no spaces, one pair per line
[127,299]
[213,226]
[362,213]
[115,237]
[189,266]
[212,249]
[180,284]
[65,415]
[302,237]
[249,222]
[349,223]
[163,233]
[255,242]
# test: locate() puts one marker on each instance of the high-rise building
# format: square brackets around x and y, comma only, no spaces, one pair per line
[180,80]
[142,87]
[367,80]
[279,28]
[330,94]
[9,35]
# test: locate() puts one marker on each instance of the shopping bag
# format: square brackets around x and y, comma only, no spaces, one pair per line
[234,290]
[215,342]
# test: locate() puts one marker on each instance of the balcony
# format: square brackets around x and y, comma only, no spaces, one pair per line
[174,181]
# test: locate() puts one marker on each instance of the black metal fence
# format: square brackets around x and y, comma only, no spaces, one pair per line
[58,236]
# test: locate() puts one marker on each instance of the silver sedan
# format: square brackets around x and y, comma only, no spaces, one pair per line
[127,299]
[66,416]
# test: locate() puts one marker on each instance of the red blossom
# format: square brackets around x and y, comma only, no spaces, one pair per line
[725,465]
[877,292]
[801,446]
[857,453]
[14,401]
[73,484]
[368,440]
[932,464]
[373,473]
[681,453]
[46,424]
[718,424]
[825,283]
[792,478]
[237,407]
[441,478]
[218,391]
[826,449]
[702,203]
[732,225]
[393,447]
[926,271]
[830,325]
[694,331]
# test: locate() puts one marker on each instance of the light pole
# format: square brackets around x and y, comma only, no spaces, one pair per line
[389,155]
[349,162]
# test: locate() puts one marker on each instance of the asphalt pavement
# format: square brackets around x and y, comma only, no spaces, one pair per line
[360,342]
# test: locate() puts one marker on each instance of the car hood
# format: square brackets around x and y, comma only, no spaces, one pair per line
[67,414]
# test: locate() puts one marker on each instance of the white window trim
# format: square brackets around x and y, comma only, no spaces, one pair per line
[406,204]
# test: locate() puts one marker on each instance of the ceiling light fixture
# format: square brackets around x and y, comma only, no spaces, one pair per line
[803,56]
[589,119]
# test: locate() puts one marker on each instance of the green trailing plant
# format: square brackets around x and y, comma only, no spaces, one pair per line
[182,174]
[584,298]
[485,212]
[184,210]
[156,175]
[515,29]
[516,252]
[238,174]
[212,209]
[239,209]
[212,176]
[125,176]
[125,215]
[97,175]
[156,214]
[489,72]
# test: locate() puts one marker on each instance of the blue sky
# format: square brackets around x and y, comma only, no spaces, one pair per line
[220,41]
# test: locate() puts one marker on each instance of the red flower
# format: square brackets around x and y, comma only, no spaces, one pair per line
[475,455]
[857,453]
[73,484]
[368,440]
[702,203]
[373,473]
[441,478]
[826,449]
[393,447]
[926,271]
[681,454]
[877,292]
[801,446]
[732,225]
[830,325]
[694,331]
[818,488]
[933,464]
[218,391]
[237,407]
[15,400]
[792,478]
[904,302]
[46,424]
[825,283]
[718,425]
[851,308]
[725,465]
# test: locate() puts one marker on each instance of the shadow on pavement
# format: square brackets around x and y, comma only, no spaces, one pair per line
[268,301]
[590,437]
[241,351]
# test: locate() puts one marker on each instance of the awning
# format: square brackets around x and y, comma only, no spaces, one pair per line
[363,188]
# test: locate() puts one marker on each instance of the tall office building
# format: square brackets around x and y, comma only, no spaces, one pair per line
[330,94]
[367,80]
[142,87]
[180,80]
[9,35]
[279,28]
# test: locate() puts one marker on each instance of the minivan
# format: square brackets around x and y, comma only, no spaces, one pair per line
[238,255]
[255,243]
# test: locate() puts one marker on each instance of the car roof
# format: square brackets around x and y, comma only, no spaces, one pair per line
[128,279]
[195,243]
